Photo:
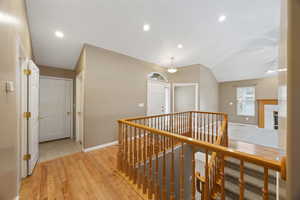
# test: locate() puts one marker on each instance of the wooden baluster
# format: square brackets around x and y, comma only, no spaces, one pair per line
[145,151]
[197,121]
[206,193]
[177,119]
[209,127]
[172,172]
[201,125]
[164,173]
[119,164]
[157,192]
[222,177]
[212,129]
[126,151]
[217,126]
[135,156]
[193,175]
[266,184]
[191,125]
[205,135]
[179,124]
[130,152]
[242,183]
[181,180]
[140,151]
[150,183]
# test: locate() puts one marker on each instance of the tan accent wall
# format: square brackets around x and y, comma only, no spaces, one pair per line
[293,100]
[208,85]
[9,138]
[114,86]
[56,72]
[265,88]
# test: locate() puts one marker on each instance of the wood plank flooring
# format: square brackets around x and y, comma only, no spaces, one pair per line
[81,176]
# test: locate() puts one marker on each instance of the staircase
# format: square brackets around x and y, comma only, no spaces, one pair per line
[159,156]
[254,181]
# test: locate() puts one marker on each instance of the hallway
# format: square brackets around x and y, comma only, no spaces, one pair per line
[81,176]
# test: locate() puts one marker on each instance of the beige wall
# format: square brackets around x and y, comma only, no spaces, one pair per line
[293,99]
[114,86]
[208,85]
[56,72]
[9,138]
[265,88]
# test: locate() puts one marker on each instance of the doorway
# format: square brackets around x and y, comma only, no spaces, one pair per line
[158,94]
[185,97]
[56,118]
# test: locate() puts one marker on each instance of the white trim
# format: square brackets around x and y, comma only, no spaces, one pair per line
[183,85]
[241,124]
[21,93]
[166,84]
[55,78]
[100,146]
[79,107]
[17,197]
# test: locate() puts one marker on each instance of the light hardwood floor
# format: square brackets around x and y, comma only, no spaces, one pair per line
[81,176]
[93,175]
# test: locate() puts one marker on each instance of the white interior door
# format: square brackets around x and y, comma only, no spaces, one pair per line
[33,121]
[55,108]
[158,98]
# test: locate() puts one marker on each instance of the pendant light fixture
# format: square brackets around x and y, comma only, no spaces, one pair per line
[172,69]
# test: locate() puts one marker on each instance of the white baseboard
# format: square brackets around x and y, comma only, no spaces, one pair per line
[240,124]
[17,198]
[100,146]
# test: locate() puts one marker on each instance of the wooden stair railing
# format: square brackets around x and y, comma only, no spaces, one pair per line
[153,156]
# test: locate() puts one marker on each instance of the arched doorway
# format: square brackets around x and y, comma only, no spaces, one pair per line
[158,94]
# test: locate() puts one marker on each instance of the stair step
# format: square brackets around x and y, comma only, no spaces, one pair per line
[251,180]
[253,176]
[251,170]
[232,191]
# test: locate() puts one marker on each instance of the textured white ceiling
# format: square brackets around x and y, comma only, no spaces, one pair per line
[242,47]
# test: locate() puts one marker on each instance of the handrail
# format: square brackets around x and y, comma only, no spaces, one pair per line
[142,140]
[169,114]
[272,164]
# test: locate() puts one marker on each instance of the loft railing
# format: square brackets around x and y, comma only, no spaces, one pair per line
[157,155]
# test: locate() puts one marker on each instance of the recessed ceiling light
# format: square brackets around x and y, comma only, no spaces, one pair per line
[179,46]
[276,70]
[8,19]
[222,18]
[59,34]
[146,27]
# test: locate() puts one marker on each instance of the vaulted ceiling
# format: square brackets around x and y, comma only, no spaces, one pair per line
[243,46]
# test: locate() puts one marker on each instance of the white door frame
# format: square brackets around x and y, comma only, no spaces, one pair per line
[166,84]
[72,99]
[21,92]
[196,85]
[79,108]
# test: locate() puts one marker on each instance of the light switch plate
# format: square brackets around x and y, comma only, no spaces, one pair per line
[9,86]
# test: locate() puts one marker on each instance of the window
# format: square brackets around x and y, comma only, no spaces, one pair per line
[245,101]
